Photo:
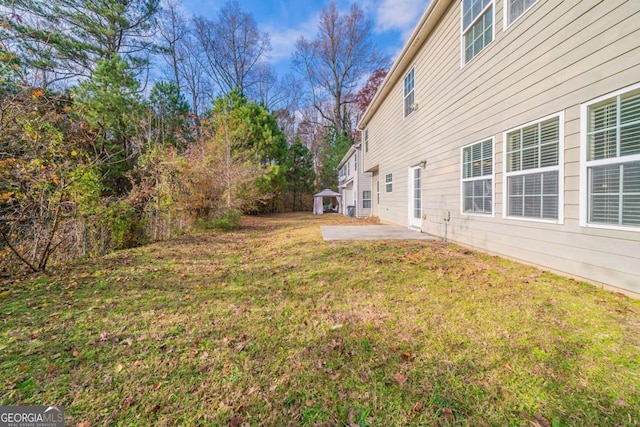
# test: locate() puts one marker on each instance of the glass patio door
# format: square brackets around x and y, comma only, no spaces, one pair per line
[415,197]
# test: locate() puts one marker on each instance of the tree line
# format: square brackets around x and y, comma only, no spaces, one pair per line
[97,154]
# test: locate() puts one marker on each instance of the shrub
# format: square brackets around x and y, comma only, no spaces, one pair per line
[225,220]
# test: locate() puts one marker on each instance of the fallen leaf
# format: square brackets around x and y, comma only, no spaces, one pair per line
[417,408]
[236,421]
[400,378]
[84,424]
[506,365]
[621,403]
[541,421]
[119,367]
[335,376]
[128,402]
[76,353]
[309,403]
[447,413]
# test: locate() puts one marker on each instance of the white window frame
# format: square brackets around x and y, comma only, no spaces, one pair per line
[585,164]
[506,7]
[491,5]
[559,168]
[366,140]
[364,199]
[492,176]
[413,92]
[388,183]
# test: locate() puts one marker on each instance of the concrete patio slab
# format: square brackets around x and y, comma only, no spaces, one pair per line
[371,232]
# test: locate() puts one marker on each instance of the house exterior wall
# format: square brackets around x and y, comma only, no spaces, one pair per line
[551,61]
[353,182]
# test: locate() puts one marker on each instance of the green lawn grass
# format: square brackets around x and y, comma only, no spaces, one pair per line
[271,326]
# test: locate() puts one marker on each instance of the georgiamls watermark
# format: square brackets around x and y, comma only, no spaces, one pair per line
[31,416]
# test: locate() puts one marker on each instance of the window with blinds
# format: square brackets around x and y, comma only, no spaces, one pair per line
[613,160]
[477,178]
[516,8]
[477,26]
[532,163]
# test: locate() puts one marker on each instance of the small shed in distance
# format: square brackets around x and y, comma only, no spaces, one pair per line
[318,201]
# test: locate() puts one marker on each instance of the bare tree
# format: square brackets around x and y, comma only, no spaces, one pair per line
[173,29]
[233,48]
[193,76]
[336,62]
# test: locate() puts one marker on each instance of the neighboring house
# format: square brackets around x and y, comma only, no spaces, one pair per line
[519,121]
[354,185]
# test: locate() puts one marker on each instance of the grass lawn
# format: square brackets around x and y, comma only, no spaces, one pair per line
[270,326]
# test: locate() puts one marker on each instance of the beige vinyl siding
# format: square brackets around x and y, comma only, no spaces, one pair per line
[364,184]
[554,58]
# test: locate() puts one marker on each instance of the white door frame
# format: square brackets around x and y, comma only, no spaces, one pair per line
[415,213]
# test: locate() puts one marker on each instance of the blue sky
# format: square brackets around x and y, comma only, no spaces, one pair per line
[287,20]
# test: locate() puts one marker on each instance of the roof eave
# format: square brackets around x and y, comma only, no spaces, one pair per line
[348,155]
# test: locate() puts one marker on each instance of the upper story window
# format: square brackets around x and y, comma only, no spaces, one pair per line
[388,179]
[477,26]
[409,99]
[533,170]
[612,164]
[514,9]
[366,140]
[477,178]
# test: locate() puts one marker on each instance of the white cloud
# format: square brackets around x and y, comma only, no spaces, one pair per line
[399,15]
[283,40]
